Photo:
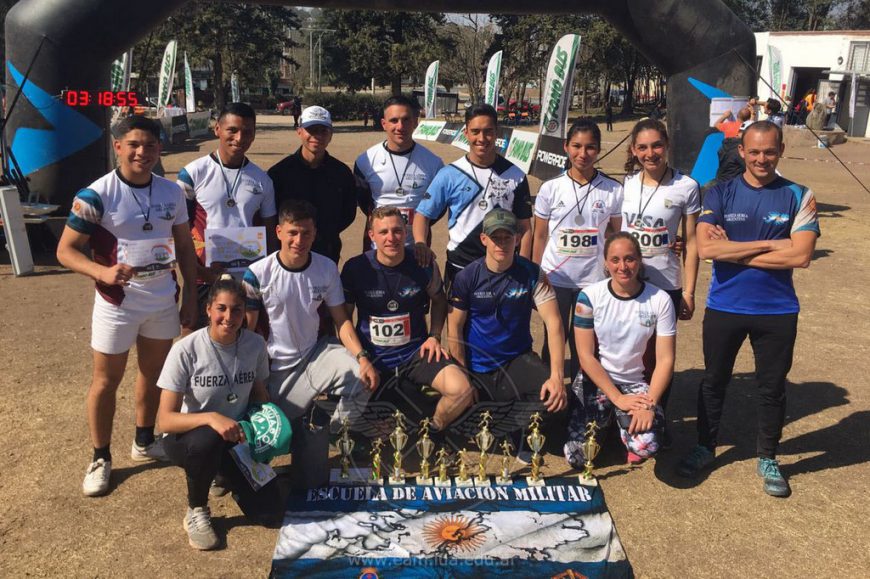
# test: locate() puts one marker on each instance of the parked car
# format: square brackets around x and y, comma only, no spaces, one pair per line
[285,107]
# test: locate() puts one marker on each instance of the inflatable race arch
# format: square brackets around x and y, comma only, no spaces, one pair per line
[702,47]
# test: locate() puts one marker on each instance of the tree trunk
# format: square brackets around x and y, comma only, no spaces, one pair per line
[396,85]
[217,80]
[583,94]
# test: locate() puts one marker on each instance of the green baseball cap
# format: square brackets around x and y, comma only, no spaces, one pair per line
[267,431]
[497,219]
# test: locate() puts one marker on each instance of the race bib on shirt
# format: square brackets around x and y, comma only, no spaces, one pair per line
[577,242]
[653,240]
[390,330]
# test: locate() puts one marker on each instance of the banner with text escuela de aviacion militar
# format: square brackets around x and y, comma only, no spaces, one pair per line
[562,529]
[559,86]
[493,74]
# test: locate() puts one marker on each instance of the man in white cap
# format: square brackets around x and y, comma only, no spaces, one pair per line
[313,175]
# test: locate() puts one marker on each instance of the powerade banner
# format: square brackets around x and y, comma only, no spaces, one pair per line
[167,74]
[559,86]
[493,72]
[562,529]
[550,159]
[188,87]
[431,90]
[521,149]
[503,139]
[449,132]
[428,130]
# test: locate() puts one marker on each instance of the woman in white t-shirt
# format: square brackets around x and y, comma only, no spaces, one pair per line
[618,318]
[661,206]
[572,213]
[207,382]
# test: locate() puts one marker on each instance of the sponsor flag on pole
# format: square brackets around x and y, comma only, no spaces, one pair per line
[493,74]
[431,90]
[559,86]
[775,65]
[121,72]
[188,87]
[167,75]
[234,88]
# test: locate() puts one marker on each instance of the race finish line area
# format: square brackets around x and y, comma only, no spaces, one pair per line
[561,529]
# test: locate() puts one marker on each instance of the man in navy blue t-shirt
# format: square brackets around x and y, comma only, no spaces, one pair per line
[392,294]
[757,228]
[489,320]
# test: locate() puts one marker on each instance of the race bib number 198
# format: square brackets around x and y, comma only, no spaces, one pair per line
[577,242]
[390,330]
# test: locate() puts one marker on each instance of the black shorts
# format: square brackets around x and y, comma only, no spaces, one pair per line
[519,379]
[416,370]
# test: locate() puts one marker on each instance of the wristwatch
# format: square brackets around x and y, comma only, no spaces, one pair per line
[434,335]
[362,354]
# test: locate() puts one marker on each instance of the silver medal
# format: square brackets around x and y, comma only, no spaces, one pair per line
[231,202]
[392,305]
[232,397]
[578,219]
[400,191]
[147,227]
[638,223]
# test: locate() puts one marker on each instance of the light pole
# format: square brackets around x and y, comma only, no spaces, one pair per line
[320,32]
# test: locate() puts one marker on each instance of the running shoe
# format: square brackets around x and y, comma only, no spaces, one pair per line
[774,483]
[153,451]
[697,460]
[200,533]
[96,481]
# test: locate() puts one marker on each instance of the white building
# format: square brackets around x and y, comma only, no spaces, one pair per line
[825,61]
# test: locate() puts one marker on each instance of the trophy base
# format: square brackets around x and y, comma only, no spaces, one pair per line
[589,482]
[397,481]
[356,476]
[443,483]
[504,482]
[481,482]
[464,483]
[425,482]
[535,482]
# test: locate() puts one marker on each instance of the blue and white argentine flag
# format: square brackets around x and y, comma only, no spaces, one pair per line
[560,530]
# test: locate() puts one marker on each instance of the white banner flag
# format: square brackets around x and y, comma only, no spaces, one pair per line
[167,75]
[775,65]
[559,86]
[188,87]
[493,74]
[234,88]
[431,90]
[121,72]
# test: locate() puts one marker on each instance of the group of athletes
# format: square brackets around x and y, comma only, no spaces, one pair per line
[617,262]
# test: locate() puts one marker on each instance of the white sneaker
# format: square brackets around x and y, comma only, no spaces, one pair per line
[153,451]
[96,481]
[200,534]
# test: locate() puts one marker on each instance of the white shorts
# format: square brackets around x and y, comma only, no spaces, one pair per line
[114,330]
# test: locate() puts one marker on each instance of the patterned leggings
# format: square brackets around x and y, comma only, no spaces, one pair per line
[593,405]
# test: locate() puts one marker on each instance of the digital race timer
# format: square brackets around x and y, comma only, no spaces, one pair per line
[103,98]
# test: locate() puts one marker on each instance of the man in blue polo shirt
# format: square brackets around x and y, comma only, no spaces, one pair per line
[757,228]
[489,317]
[393,294]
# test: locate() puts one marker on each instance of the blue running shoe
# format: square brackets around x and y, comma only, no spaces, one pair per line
[774,483]
[697,460]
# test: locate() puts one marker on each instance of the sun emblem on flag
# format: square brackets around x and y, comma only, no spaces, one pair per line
[454,532]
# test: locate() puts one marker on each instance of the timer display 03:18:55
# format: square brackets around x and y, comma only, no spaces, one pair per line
[103,98]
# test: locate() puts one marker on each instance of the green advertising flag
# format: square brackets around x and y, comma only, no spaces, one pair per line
[167,74]
[559,86]
[431,90]
[493,74]
[188,87]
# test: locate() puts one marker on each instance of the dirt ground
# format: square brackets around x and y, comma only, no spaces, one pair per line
[723,526]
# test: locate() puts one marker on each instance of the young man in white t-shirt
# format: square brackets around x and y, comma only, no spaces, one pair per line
[288,286]
[226,190]
[398,171]
[136,225]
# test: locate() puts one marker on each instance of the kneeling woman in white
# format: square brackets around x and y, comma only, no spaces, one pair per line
[208,381]
[623,314]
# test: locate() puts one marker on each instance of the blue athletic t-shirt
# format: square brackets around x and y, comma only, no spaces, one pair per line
[749,213]
[392,303]
[499,307]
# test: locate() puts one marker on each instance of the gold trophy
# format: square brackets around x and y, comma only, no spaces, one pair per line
[504,479]
[398,439]
[441,461]
[591,448]
[462,478]
[484,440]
[425,447]
[377,445]
[536,441]
[345,446]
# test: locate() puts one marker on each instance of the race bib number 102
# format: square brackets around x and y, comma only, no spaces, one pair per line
[390,330]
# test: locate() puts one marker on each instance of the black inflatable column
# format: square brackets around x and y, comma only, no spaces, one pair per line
[61,149]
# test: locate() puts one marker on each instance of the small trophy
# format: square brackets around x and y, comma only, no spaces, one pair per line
[425,448]
[398,439]
[462,478]
[377,445]
[536,441]
[484,440]
[441,461]
[504,479]
[591,448]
